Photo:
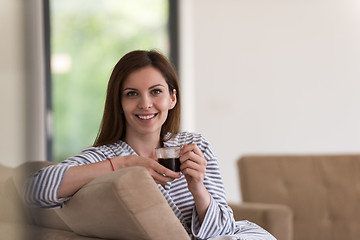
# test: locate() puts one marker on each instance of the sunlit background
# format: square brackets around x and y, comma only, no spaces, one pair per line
[87,39]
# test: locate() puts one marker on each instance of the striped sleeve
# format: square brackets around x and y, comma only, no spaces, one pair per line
[219,218]
[42,187]
[218,221]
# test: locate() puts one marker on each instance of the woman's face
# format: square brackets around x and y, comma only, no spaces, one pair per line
[146,101]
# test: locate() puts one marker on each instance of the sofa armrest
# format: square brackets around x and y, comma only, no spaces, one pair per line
[125,204]
[275,218]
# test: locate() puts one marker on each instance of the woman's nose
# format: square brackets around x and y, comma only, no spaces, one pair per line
[145,102]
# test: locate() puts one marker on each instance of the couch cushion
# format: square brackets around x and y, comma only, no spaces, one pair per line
[125,204]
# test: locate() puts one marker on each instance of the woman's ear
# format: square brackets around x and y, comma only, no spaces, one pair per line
[173,99]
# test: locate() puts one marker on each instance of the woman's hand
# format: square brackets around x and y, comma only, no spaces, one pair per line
[193,166]
[159,173]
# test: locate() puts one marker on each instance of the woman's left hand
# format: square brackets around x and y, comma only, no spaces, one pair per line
[193,166]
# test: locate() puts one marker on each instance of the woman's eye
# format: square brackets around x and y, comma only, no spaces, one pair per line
[131,93]
[156,91]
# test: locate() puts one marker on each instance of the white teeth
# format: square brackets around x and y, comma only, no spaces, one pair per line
[146,117]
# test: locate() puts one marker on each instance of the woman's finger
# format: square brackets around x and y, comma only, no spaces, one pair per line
[191,156]
[194,174]
[162,178]
[192,165]
[193,153]
[163,171]
[162,174]
[191,148]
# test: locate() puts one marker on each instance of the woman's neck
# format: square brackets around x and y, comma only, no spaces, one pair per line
[145,145]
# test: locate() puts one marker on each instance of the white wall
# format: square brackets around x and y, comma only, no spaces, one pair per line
[35,82]
[272,77]
[12,126]
[22,126]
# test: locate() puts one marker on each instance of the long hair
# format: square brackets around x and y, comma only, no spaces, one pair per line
[113,126]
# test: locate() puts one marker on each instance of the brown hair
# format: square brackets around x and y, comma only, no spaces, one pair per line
[112,126]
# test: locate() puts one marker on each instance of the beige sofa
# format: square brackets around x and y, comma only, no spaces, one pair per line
[322,191]
[125,204]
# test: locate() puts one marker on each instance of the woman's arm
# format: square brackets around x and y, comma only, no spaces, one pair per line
[42,188]
[218,218]
[77,176]
[53,185]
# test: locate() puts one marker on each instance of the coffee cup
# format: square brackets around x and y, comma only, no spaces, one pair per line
[169,157]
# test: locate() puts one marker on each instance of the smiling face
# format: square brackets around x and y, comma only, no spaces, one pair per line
[146,101]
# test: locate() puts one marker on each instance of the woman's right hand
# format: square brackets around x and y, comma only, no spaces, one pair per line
[159,173]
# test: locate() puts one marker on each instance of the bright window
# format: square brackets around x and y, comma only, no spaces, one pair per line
[87,38]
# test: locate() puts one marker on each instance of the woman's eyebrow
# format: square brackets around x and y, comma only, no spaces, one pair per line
[132,89]
[151,87]
[156,85]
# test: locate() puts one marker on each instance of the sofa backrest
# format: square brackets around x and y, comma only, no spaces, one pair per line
[322,191]
[125,204]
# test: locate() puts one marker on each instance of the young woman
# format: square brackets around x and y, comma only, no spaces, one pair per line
[142,112]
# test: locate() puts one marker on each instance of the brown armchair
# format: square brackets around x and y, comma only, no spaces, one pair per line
[322,191]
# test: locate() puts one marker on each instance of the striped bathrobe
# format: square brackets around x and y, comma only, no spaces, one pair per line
[42,188]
